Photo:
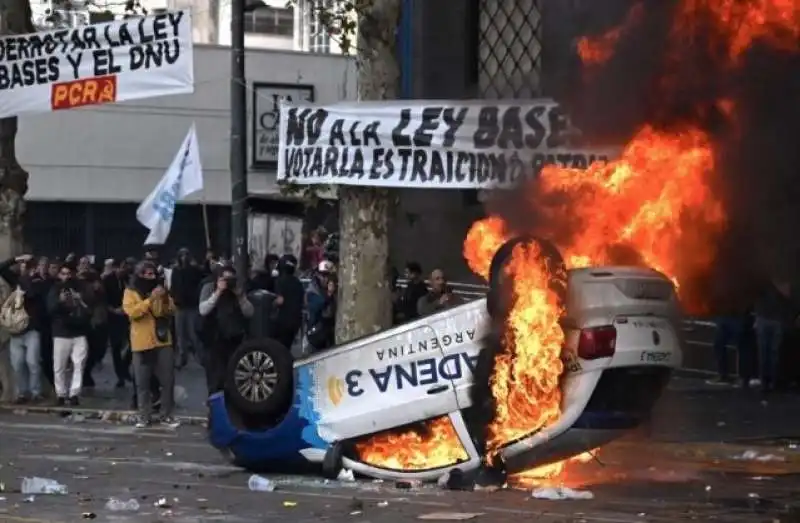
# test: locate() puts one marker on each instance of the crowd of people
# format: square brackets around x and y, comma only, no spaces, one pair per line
[63,316]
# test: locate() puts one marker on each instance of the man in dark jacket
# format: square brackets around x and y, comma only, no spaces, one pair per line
[114,285]
[226,312]
[71,320]
[415,289]
[185,291]
[289,302]
[25,346]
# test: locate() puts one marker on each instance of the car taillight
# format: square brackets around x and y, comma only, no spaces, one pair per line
[597,342]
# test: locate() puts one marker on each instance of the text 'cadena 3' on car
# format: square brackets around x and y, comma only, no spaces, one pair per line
[621,325]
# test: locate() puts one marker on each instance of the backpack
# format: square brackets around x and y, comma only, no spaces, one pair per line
[13,316]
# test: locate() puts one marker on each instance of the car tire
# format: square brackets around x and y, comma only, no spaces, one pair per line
[332,463]
[499,293]
[259,379]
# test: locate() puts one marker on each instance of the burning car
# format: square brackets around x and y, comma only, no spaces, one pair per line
[438,393]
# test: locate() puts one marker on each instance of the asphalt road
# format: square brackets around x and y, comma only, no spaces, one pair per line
[98,461]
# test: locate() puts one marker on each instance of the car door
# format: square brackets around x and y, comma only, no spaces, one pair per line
[384,381]
[461,339]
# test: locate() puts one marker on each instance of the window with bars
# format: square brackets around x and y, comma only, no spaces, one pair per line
[509,48]
[320,39]
[273,21]
[508,51]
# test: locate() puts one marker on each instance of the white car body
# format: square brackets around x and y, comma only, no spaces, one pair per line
[423,370]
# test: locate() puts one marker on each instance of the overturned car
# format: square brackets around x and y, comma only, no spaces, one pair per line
[621,332]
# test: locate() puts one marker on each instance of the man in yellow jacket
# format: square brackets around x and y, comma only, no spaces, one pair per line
[149,308]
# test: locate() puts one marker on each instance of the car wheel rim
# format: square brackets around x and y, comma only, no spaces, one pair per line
[255,376]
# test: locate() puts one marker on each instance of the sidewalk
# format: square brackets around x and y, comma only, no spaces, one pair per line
[107,402]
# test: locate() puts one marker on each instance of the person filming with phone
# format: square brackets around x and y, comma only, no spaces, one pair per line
[149,308]
[440,296]
[225,312]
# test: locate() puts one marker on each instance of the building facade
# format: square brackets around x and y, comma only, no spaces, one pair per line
[275,24]
[91,167]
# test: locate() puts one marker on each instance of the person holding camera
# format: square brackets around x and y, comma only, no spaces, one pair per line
[71,321]
[226,311]
[149,308]
[440,296]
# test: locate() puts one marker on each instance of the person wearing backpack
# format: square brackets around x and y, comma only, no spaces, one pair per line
[23,315]
[71,320]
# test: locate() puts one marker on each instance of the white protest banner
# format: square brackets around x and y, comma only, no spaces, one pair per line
[96,64]
[427,144]
[184,177]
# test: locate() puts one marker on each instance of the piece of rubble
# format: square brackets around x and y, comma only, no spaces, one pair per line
[560,493]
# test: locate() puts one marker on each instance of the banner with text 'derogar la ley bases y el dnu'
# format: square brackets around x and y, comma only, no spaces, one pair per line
[428,144]
[96,64]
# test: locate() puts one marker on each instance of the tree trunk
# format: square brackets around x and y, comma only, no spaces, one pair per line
[365,304]
[15,18]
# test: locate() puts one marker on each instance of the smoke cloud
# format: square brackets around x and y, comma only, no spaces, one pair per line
[668,75]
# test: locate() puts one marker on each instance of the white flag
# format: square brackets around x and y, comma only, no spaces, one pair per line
[184,177]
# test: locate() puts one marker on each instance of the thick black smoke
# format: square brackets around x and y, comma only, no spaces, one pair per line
[655,77]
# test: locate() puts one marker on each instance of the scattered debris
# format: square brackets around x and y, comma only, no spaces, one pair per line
[88,515]
[259,484]
[346,475]
[450,516]
[456,480]
[29,499]
[559,493]
[162,503]
[356,505]
[407,484]
[752,455]
[117,505]
[82,450]
[36,485]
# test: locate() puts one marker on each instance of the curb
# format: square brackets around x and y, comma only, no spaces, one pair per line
[110,415]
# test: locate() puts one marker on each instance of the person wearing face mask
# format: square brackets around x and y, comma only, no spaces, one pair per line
[288,303]
[226,312]
[265,279]
[185,292]
[321,307]
[71,321]
[149,309]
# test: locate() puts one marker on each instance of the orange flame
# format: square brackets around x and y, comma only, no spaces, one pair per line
[525,382]
[432,446]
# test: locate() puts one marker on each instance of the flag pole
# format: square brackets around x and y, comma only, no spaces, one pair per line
[205,223]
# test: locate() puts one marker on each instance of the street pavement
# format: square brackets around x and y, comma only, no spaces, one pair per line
[175,476]
[710,452]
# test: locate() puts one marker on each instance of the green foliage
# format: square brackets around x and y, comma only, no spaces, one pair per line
[340,18]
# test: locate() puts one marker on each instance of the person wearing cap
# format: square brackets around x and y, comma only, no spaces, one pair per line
[320,301]
[289,301]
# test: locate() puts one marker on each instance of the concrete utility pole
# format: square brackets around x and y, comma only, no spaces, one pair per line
[365,304]
[238,144]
